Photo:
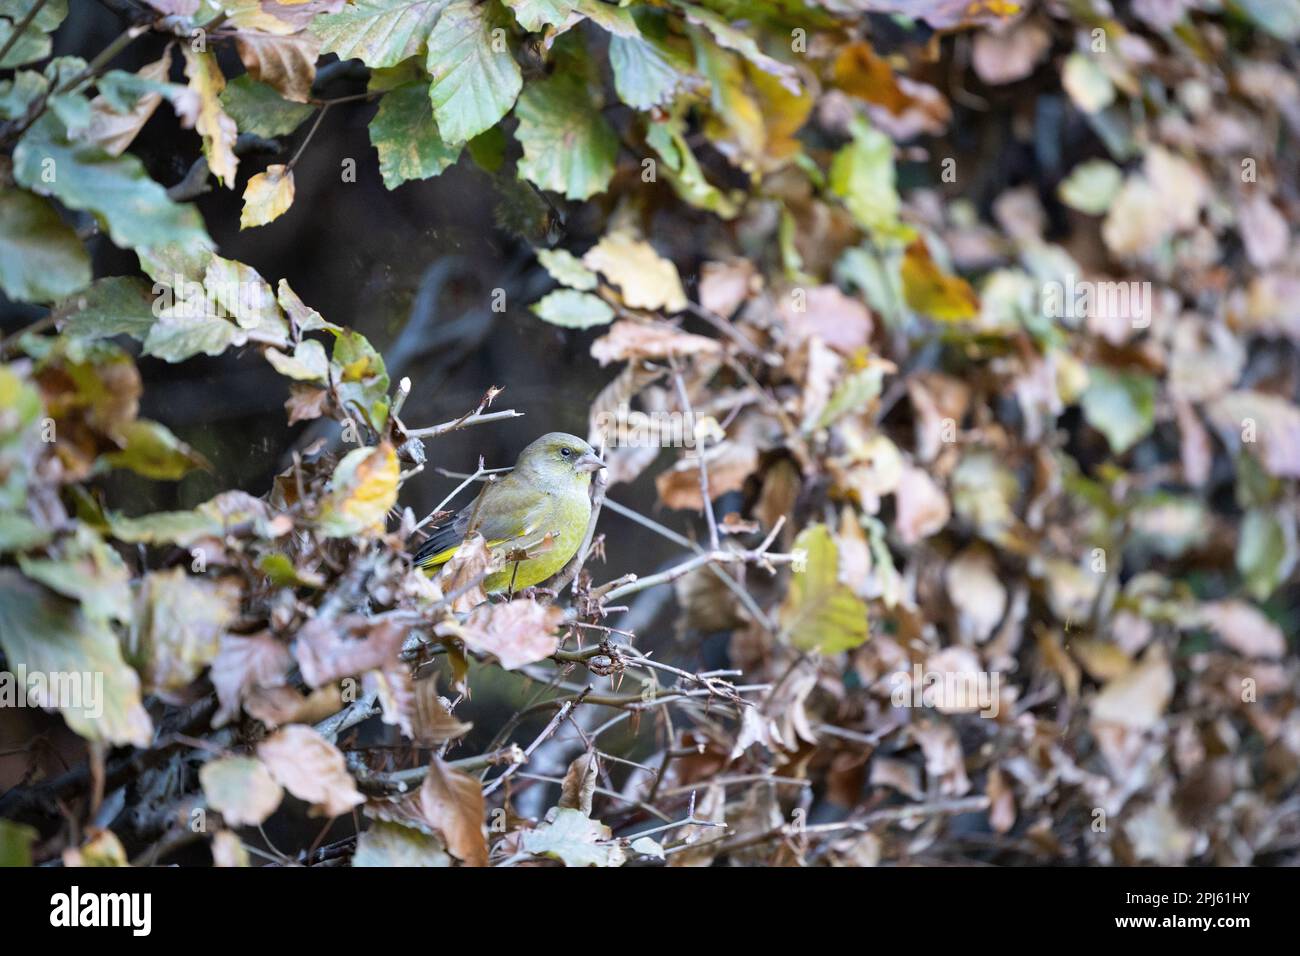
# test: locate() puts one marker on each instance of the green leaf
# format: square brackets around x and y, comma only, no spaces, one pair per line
[1278,17]
[257,108]
[1089,85]
[1091,187]
[361,378]
[242,293]
[72,108]
[390,844]
[574,839]
[284,573]
[573,310]
[18,94]
[567,269]
[34,42]
[853,393]
[1267,550]
[303,317]
[20,533]
[307,364]
[41,258]
[182,528]
[178,336]
[743,42]
[862,175]
[878,276]
[241,789]
[21,442]
[118,305]
[533,15]
[178,627]
[820,613]
[48,634]
[406,137]
[475,77]
[16,841]
[682,170]
[568,146]
[1120,405]
[123,90]
[154,452]
[378,32]
[134,210]
[85,569]
[645,73]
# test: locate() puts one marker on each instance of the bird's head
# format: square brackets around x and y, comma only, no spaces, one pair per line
[557,455]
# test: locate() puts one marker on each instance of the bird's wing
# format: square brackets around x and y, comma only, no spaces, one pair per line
[506,513]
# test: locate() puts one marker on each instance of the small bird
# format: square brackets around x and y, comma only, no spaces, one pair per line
[547,493]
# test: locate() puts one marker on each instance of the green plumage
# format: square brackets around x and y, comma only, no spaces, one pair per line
[547,493]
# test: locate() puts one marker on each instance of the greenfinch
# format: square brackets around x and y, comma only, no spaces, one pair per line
[547,494]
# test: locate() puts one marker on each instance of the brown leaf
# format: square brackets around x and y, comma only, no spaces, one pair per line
[729,464]
[840,321]
[287,63]
[580,783]
[1244,628]
[975,589]
[945,764]
[921,507]
[112,131]
[463,575]
[311,768]
[1264,230]
[1002,802]
[305,402]
[1138,698]
[327,649]
[242,664]
[1006,56]
[628,339]
[517,633]
[451,801]
[1267,425]
[432,722]
[726,286]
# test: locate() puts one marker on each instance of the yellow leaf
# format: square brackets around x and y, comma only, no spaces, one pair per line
[933,292]
[267,197]
[362,491]
[820,612]
[217,129]
[647,279]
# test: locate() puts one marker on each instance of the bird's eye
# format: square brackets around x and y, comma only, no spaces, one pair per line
[565,452]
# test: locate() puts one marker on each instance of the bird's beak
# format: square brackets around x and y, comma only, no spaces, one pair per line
[589,461]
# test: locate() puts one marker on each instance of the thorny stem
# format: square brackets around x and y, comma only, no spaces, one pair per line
[758,556]
[547,731]
[482,418]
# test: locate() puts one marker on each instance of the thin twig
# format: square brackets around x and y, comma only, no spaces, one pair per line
[549,729]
